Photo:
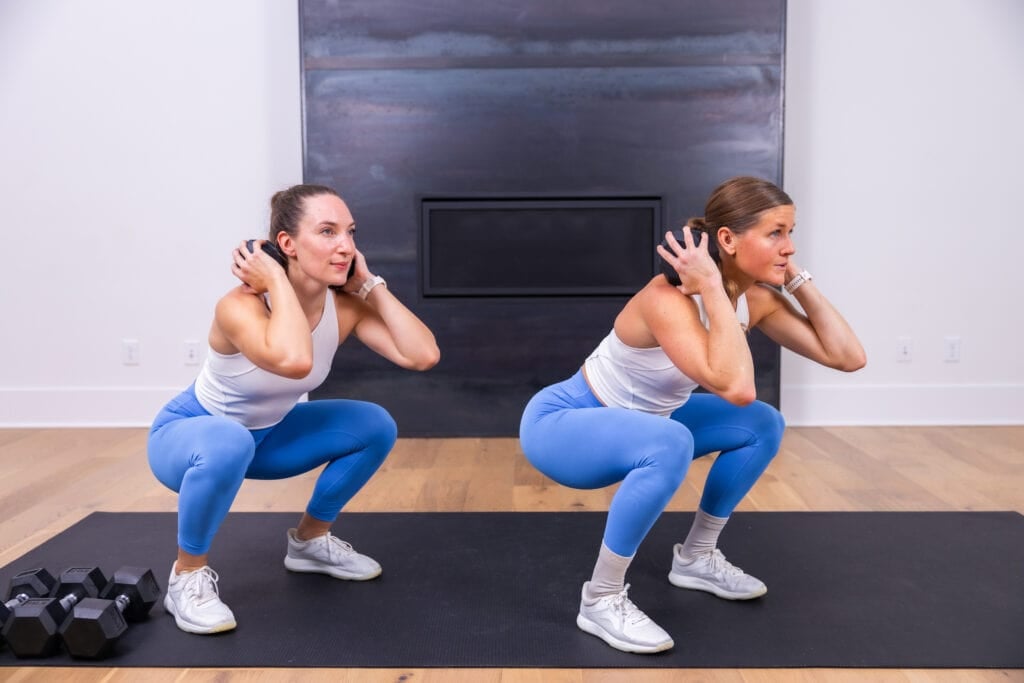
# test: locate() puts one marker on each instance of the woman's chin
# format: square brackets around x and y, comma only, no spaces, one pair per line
[337,279]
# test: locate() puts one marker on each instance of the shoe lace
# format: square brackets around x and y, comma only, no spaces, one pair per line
[337,546]
[719,565]
[201,585]
[622,606]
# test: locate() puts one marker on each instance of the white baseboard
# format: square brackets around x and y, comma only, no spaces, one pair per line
[913,404]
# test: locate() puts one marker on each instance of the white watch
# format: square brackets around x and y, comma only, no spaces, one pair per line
[798,279]
[370,283]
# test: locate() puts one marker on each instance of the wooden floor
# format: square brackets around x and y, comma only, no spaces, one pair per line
[52,478]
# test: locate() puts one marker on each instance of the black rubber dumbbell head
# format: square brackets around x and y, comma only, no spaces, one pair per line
[138,586]
[33,630]
[95,625]
[32,583]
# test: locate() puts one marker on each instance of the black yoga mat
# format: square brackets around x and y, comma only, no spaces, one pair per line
[907,590]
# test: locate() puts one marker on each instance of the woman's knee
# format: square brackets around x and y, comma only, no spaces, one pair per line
[768,423]
[381,429]
[199,446]
[670,452]
[227,449]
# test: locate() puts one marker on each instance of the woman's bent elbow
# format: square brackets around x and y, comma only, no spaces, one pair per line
[745,399]
[855,362]
[295,369]
[740,396]
[427,360]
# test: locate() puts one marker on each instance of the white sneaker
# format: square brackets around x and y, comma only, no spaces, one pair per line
[329,555]
[711,572]
[194,601]
[618,622]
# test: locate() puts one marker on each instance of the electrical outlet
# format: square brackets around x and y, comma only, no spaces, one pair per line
[191,356]
[904,349]
[951,349]
[130,353]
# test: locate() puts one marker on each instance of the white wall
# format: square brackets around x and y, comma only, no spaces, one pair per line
[139,141]
[903,152]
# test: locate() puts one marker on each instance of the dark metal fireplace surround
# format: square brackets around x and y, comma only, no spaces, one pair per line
[512,165]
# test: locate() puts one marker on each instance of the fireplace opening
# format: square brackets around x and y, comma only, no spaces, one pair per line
[538,247]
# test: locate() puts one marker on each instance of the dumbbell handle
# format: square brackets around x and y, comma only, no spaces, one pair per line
[18,599]
[122,602]
[72,599]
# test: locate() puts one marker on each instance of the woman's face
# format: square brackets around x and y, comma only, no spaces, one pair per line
[763,251]
[325,244]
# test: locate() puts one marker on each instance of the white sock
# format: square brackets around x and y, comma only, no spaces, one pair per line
[703,536]
[609,575]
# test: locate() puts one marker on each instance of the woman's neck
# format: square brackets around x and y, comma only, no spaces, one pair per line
[740,282]
[309,292]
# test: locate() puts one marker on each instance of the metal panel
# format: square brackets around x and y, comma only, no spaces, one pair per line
[406,100]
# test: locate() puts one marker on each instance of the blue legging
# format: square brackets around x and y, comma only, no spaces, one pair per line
[205,458]
[568,435]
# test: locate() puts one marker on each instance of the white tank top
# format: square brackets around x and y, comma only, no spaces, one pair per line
[644,379]
[234,387]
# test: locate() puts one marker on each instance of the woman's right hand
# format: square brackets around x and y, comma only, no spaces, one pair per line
[256,269]
[697,270]
[278,339]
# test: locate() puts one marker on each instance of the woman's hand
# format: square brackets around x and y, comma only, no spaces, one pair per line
[386,326]
[359,276]
[697,270]
[792,270]
[254,268]
[818,332]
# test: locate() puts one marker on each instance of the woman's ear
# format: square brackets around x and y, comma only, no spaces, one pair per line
[727,240]
[286,244]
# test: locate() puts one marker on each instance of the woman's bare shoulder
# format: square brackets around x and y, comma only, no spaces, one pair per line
[653,310]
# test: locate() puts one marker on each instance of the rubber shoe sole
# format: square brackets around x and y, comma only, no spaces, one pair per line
[596,629]
[699,584]
[296,564]
[195,628]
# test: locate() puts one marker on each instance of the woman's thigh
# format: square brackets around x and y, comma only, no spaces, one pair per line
[718,425]
[590,448]
[317,432]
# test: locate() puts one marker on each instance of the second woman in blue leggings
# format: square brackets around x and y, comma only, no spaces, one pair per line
[629,414]
[273,339]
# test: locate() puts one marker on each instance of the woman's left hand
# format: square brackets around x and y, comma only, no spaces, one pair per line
[359,276]
[792,270]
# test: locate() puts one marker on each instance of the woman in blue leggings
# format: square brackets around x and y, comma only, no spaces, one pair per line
[272,340]
[629,414]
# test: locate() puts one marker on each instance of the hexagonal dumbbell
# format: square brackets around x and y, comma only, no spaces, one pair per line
[31,583]
[95,625]
[33,629]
